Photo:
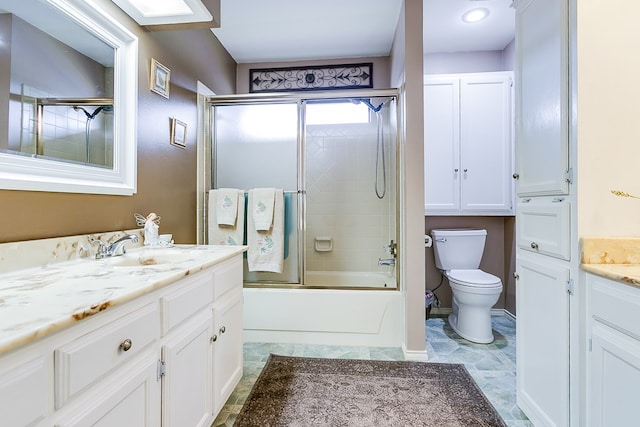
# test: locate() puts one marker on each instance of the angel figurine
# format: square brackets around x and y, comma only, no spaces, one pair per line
[151,224]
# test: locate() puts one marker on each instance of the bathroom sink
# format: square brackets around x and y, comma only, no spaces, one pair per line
[151,257]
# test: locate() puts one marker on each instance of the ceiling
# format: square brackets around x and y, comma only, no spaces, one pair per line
[290,30]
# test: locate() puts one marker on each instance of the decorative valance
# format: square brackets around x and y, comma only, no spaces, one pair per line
[322,77]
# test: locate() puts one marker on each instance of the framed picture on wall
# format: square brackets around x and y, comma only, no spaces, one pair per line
[160,76]
[178,131]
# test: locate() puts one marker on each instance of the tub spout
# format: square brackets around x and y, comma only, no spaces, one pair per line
[386,261]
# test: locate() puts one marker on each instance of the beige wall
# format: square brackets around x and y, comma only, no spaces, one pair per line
[608,129]
[166,174]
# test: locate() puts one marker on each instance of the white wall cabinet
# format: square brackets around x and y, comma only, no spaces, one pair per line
[170,358]
[542,334]
[542,97]
[468,141]
[613,356]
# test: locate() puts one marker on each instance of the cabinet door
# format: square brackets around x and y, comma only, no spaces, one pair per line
[131,398]
[542,339]
[227,356]
[25,393]
[486,143]
[614,375]
[187,384]
[441,145]
[542,120]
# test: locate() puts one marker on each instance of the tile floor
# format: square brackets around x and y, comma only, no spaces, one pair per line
[491,365]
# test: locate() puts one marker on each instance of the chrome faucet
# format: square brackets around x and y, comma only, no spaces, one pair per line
[116,248]
[386,261]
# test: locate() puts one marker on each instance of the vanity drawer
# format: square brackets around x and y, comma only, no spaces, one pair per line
[82,362]
[616,304]
[544,226]
[228,276]
[193,295]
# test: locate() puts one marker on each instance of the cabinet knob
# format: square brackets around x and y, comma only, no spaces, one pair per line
[223,330]
[465,170]
[534,245]
[516,175]
[214,338]
[516,276]
[456,170]
[126,345]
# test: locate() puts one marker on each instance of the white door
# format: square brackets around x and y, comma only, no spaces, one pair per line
[542,97]
[485,143]
[227,356]
[442,144]
[615,376]
[187,384]
[131,398]
[542,339]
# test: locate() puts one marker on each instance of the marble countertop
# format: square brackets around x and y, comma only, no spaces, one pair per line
[614,258]
[38,301]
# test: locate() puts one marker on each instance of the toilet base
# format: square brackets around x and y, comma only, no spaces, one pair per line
[472,324]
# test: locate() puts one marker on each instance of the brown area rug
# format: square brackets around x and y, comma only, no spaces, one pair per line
[298,391]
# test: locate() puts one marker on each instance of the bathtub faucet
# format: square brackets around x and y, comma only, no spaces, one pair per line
[386,261]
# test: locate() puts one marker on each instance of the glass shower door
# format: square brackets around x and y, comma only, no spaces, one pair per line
[256,146]
[350,180]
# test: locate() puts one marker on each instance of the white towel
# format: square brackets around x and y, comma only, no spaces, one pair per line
[262,206]
[227,206]
[225,234]
[266,248]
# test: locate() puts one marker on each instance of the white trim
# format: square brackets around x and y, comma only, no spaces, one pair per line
[34,174]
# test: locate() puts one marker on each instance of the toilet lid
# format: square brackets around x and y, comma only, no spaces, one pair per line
[473,277]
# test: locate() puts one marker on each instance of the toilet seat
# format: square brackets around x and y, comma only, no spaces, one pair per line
[474,280]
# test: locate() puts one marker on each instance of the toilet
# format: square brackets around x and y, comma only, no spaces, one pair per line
[457,254]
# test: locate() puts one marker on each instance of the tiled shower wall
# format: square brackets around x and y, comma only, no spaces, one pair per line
[65,131]
[341,199]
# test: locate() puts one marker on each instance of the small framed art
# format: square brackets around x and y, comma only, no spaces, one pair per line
[160,76]
[178,131]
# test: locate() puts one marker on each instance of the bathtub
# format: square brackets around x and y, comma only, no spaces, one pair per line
[331,316]
[350,279]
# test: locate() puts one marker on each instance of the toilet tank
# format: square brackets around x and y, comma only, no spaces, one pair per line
[458,249]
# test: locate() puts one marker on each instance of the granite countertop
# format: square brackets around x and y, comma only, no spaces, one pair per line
[36,302]
[612,257]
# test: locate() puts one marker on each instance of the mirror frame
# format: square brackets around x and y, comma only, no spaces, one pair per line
[36,174]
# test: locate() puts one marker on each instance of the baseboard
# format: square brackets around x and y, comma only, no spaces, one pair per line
[416,356]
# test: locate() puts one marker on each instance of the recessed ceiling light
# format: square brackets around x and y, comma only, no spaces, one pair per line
[475,15]
[153,12]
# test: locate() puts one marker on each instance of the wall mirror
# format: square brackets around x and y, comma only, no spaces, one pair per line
[68,98]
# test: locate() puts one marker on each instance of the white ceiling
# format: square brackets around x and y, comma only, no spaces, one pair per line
[289,30]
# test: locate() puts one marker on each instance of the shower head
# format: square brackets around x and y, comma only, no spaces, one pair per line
[368,103]
[91,116]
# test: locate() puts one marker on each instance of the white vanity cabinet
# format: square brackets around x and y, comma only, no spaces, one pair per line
[613,352]
[169,357]
[468,140]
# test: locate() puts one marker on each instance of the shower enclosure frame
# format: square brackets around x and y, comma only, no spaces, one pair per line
[208,154]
